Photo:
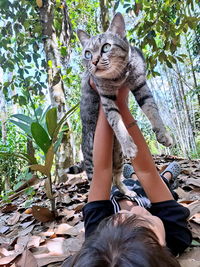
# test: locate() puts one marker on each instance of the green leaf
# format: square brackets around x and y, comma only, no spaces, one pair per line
[172,59]
[22,100]
[116,5]
[23,126]
[169,65]
[180,59]
[23,118]
[50,63]
[51,120]
[63,51]
[40,136]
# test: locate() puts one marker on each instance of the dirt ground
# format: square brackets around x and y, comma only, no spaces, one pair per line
[33,237]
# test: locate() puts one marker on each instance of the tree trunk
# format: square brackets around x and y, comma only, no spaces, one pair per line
[3,117]
[55,82]
[104,15]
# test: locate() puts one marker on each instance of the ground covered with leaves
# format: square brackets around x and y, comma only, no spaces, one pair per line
[33,237]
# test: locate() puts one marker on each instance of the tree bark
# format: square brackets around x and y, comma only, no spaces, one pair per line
[104,14]
[55,82]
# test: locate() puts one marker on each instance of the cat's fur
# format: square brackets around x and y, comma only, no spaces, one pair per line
[110,70]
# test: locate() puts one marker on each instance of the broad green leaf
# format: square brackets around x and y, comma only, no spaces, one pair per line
[40,136]
[44,114]
[23,118]
[51,120]
[23,126]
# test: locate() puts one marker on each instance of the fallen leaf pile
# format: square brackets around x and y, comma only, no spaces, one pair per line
[35,237]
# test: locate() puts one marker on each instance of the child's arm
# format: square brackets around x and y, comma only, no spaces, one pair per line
[144,165]
[102,160]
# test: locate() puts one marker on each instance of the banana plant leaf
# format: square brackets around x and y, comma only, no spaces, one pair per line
[51,120]
[40,136]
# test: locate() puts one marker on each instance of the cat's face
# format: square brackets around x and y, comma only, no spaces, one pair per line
[106,55]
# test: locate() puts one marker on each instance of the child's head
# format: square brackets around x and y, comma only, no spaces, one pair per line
[122,243]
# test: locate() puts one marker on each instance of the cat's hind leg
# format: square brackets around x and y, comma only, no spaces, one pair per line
[89,109]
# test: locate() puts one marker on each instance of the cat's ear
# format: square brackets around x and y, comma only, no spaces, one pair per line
[83,37]
[117,25]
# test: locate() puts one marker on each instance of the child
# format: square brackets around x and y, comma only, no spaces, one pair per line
[134,236]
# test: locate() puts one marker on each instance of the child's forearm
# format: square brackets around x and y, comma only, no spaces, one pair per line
[102,160]
[143,164]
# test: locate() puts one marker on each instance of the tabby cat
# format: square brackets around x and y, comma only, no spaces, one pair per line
[111,63]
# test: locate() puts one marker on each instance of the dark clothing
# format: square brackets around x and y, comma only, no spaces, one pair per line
[173,215]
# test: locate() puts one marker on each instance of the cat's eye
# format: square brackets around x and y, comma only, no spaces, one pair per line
[88,55]
[106,48]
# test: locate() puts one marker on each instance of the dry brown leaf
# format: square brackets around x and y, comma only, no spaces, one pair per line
[47,233]
[189,263]
[193,181]
[8,259]
[42,214]
[26,217]
[182,194]
[66,229]
[74,244]
[53,236]
[34,241]
[26,224]
[39,250]
[194,207]
[78,207]
[195,229]
[80,227]
[5,253]
[14,219]
[26,260]
[196,218]
[3,229]
[44,259]
[8,208]
[56,246]
[21,244]
[26,230]
[68,213]
[187,172]
[194,254]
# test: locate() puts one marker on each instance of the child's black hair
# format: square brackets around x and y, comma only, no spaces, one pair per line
[119,242]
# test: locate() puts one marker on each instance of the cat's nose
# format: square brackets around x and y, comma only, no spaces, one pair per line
[95,61]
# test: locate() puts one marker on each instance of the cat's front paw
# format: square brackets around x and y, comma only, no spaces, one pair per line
[164,138]
[129,149]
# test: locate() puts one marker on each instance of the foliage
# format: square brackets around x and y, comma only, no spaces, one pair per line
[46,137]
[10,166]
[158,29]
